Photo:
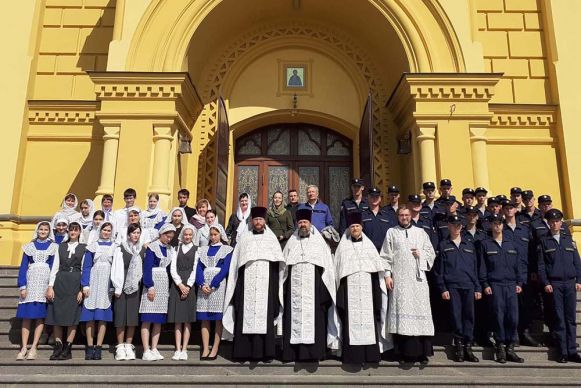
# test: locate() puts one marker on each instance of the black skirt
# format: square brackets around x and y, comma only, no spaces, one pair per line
[64,310]
[181,310]
[126,309]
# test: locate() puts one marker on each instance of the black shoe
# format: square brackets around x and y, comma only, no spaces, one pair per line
[574,358]
[527,340]
[458,349]
[469,354]
[58,349]
[500,353]
[512,356]
[89,352]
[66,353]
[97,354]
[562,360]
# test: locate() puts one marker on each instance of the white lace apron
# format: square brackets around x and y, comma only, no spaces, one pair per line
[38,273]
[100,283]
[214,302]
[160,284]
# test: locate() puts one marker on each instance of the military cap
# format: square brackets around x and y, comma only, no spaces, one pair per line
[429,186]
[357,182]
[501,197]
[454,220]
[545,199]
[414,198]
[491,200]
[515,190]
[507,202]
[479,190]
[468,190]
[445,183]
[373,191]
[392,189]
[495,218]
[554,214]
[449,201]
[527,194]
[470,209]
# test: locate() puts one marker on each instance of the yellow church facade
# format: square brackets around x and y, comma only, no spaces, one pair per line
[225,96]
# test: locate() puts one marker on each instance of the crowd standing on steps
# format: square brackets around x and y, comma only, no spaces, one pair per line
[283,283]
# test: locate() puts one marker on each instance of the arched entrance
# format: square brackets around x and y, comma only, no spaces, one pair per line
[293,156]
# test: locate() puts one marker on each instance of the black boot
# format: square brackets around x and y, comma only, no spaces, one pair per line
[527,340]
[89,352]
[511,355]
[469,354]
[58,349]
[97,354]
[66,353]
[458,349]
[500,353]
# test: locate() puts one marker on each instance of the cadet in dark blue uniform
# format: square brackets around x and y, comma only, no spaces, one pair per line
[441,219]
[456,272]
[470,230]
[501,275]
[530,212]
[445,190]
[516,197]
[391,207]
[356,202]
[420,220]
[521,235]
[480,193]
[560,273]
[376,220]
[429,206]
[467,199]
[493,207]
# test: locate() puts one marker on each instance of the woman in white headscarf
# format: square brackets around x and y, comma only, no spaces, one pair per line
[91,233]
[199,219]
[153,217]
[177,217]
[85,217]
[238,223]
[126,275]
[203,236]
[68,209]
[96,282]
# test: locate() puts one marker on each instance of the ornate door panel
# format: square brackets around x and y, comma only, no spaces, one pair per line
[293,156]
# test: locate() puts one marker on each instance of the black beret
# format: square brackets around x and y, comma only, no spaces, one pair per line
[258,212]
[304,214]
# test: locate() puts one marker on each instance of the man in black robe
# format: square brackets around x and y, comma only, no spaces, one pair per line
[253,304]
[309,325]
[361,296]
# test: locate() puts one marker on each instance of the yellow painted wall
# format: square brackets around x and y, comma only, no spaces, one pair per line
[512,35]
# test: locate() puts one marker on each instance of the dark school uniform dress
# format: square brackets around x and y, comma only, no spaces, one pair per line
[126,307]
[183,310]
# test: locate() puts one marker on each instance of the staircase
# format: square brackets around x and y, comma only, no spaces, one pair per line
[539,368]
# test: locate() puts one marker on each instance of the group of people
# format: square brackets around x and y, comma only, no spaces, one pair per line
[283,282]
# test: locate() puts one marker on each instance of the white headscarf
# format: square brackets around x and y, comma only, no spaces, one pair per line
[135,270]
[87,221]
[243,218]
[50,233]
[187,227]
[170,216]
[156,212]
[112,238]
[69,210]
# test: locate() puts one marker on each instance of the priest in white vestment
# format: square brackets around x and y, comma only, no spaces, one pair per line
[408,255]
[362,297]
[309,318]
[253,302]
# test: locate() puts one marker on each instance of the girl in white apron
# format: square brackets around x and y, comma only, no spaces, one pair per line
[213,264]
[33,279]
[68,209]
[153,217]
[154,299]
[96,283]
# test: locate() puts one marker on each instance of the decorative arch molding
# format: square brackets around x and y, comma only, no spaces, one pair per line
[231,62]
[426,34]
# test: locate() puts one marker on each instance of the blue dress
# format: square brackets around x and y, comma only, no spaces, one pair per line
[58,238]
[156,275]
[96,275]
[212,269]
[34,275]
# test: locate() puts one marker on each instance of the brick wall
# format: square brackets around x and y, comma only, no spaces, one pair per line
[511,33]
[74,39]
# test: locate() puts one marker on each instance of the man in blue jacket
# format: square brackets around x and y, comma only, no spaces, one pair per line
[559,268]
[456,272]
[321,217]
[502,273]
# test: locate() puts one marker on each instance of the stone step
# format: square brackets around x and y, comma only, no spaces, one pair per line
[224,367]
[9,292]
[9,270]
[421,378]
[8,282]
[441,353]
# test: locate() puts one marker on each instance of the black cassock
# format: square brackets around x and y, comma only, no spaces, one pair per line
[255,346]
[307,352]
[359,354]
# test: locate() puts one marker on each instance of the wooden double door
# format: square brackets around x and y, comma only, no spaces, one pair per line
[294,156]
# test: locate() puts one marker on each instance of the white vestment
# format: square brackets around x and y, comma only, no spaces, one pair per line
[304,254]
[358,261]
[409,303]
[254,252]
